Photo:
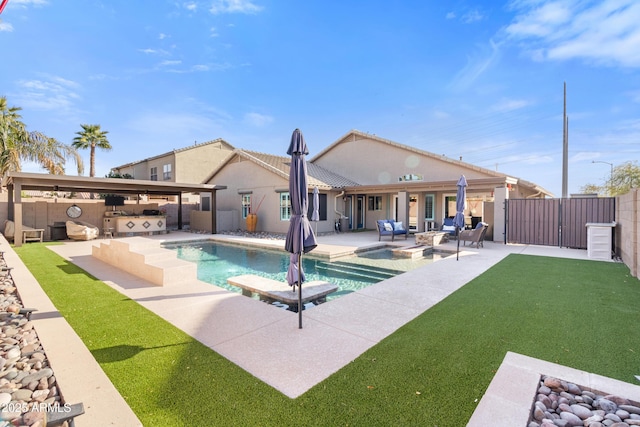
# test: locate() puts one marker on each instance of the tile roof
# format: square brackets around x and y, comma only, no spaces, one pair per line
[317,175]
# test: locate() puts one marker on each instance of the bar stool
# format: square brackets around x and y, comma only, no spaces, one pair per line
[107,232]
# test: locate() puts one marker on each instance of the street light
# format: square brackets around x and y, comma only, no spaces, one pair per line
[611,173]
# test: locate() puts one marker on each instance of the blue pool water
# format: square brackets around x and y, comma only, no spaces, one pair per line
[217,262]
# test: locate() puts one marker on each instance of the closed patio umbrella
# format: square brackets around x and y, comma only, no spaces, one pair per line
[300,237]
[315,215]
[458,220]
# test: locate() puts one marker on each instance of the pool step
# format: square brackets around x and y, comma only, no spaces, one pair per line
[356,272]
[148,261]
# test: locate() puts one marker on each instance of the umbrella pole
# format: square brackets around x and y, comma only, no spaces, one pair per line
[299,291]
[458,239]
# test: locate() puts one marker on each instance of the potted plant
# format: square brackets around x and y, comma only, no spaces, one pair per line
[252,217]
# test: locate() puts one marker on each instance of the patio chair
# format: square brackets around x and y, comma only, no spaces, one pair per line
[448,227]
[474,236]
[389,227]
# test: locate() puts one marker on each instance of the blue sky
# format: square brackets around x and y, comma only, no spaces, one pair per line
[482,80]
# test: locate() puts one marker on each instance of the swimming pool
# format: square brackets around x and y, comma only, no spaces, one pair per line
[217,262]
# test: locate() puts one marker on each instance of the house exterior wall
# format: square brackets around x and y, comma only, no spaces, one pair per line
[190,165]
[194,165]
[241,175]
[137,171]
[385,163]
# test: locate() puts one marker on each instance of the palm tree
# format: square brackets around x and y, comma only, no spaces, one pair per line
[91,137]
[17,144]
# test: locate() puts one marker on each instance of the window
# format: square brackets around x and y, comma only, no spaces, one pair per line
[153,174]
[246,205]
[285,206]
[375,203]
[166,172]
[205,201]
[429,207]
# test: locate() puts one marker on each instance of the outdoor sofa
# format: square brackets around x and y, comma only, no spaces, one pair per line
[389,227]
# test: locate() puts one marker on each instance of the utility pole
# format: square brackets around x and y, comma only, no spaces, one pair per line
[565,147]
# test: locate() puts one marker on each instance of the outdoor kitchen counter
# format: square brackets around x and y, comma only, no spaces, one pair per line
[137,224]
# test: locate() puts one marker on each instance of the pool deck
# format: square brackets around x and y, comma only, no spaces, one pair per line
[261,338]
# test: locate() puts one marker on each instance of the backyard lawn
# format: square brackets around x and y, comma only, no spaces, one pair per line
[431,372]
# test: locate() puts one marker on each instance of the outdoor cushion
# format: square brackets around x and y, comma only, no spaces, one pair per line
[397,226]
[448,228]
[388,227]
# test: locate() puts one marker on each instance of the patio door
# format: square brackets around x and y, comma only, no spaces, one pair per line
[348,210]
[358,221]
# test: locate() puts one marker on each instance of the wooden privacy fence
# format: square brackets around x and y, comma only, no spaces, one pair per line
[555,222]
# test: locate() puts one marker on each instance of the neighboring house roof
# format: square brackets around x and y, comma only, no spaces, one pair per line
[178,150]
[356,134]
[280,165]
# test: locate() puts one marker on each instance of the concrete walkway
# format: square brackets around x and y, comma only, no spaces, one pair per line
[261,338]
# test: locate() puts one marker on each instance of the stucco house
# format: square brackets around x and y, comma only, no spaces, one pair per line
[191,164]
[361,178]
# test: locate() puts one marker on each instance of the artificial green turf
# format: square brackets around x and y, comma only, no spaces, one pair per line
[431,372]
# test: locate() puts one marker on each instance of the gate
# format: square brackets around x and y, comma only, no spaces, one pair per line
[555,222]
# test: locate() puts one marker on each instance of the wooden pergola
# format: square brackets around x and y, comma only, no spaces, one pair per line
[16,182]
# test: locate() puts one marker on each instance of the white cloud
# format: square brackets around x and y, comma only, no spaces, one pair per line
[213,32]
[257,119]
[169,63]
[507,105]
[234,6]
[191,6]
[471,16]
[476,66]
[451,15]
[162,36]
[5,26]
[55,94]
[28,2]
[604,33]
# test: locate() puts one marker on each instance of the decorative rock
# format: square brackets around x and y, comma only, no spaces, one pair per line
[21,394]
[571,419]
[581,411]
[544,390]
[40,395]
[617,399]
[553,383]
[613,417]
[14,352]
[43,373]
[630,409]
[25,376]
[562,408]
[4,399]
[606,405]
[622,414]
